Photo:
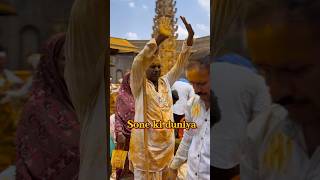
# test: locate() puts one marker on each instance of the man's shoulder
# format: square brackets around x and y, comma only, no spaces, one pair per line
[191,106]
[179,85]
[237,70]
[266,123]
[193,100]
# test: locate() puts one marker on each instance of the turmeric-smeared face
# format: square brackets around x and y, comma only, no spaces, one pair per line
[200,80]
[288,56]
[154,72]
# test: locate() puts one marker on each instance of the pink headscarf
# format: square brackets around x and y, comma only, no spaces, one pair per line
[124,112]
[124,107]
[48,134]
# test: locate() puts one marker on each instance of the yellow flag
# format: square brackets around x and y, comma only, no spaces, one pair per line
[118,159]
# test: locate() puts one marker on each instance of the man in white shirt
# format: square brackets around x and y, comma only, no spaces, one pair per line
[242,95]
[195,145]
[185,92]
[284,142]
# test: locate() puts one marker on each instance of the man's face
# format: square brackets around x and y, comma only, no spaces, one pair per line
[287,56]
[154,72]
[200,80]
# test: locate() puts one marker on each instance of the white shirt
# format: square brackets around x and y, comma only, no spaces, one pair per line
[11,77]
[9,173]
[289,161]
[241,95]
[185,92]
[195,144]
[23,91]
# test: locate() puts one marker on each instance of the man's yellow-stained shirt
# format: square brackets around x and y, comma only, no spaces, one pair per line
[161,142]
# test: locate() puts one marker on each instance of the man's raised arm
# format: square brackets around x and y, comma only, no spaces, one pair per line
[142,61]
[179,66]
[176,71]
[140,64]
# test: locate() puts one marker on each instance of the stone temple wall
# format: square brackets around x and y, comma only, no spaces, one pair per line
[36,20]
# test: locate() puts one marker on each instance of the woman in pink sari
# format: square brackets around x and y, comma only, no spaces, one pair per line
[124,112]
[48,134]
